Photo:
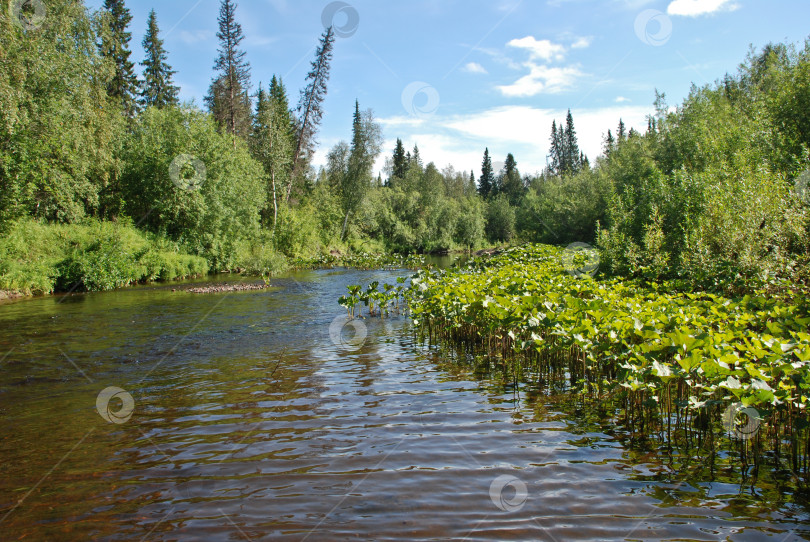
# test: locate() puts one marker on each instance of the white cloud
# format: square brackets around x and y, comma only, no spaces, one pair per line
[542,49]
[621,99]
[542,79]
[522,130]
[474,67]
[695,8]
[582,43]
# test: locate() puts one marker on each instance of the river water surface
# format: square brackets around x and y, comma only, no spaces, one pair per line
[249,421]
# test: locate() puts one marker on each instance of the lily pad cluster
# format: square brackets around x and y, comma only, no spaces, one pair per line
[683,357]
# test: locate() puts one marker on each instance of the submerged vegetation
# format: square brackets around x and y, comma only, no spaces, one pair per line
[686,366]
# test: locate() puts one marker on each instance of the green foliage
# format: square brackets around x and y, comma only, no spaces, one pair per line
[500,220]
[663,357]
[214,218]
[41,258]
[157,89]
[563,209]
[58,130]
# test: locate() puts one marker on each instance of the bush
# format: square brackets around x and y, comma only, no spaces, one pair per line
[500,220]
[93,255]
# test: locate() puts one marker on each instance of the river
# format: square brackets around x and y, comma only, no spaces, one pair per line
[239,416]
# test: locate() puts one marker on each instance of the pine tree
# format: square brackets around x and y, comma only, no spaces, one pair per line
[610,143]
[123,88]
[310,104]
[400,161]
[228,97]
[158,89]
[555,151]
[415,159]
[365,147]
[622,133]
[512,184]
[571,163]
[487,180]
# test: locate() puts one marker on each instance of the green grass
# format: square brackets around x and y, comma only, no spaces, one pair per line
[40,258]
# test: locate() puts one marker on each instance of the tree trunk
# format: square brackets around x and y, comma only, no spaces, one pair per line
[345,222]
[275,205]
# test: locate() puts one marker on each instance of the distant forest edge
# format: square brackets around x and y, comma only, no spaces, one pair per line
[106,179]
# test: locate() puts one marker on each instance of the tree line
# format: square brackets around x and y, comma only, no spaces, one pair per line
[83,136]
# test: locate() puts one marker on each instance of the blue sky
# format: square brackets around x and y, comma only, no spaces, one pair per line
[455,76]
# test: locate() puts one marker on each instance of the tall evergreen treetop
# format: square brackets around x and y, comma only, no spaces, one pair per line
[228,96]
[487,180]
[158,89]
[310,111]
[400,161]
[123,88]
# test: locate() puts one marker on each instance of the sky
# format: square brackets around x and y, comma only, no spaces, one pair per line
[457,76]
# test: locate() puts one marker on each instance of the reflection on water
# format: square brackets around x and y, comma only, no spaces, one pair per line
[250,423]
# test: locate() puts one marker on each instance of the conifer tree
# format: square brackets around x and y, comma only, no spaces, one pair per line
[487,180]
[228,97]
[158,89]
[310,105]
[123,88]
[400,161]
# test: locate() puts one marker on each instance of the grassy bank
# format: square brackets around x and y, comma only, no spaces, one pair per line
[39,258]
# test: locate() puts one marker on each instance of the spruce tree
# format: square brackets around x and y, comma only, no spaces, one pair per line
[158,89]
[512,184]
[400,161]
[364,149]
[555,151]
[610,143]
[487,180]
[571,163]
[622,133]
[123,88]
[228,97]
[310,105]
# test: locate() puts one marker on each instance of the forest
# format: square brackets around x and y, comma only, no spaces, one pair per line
[106,179]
